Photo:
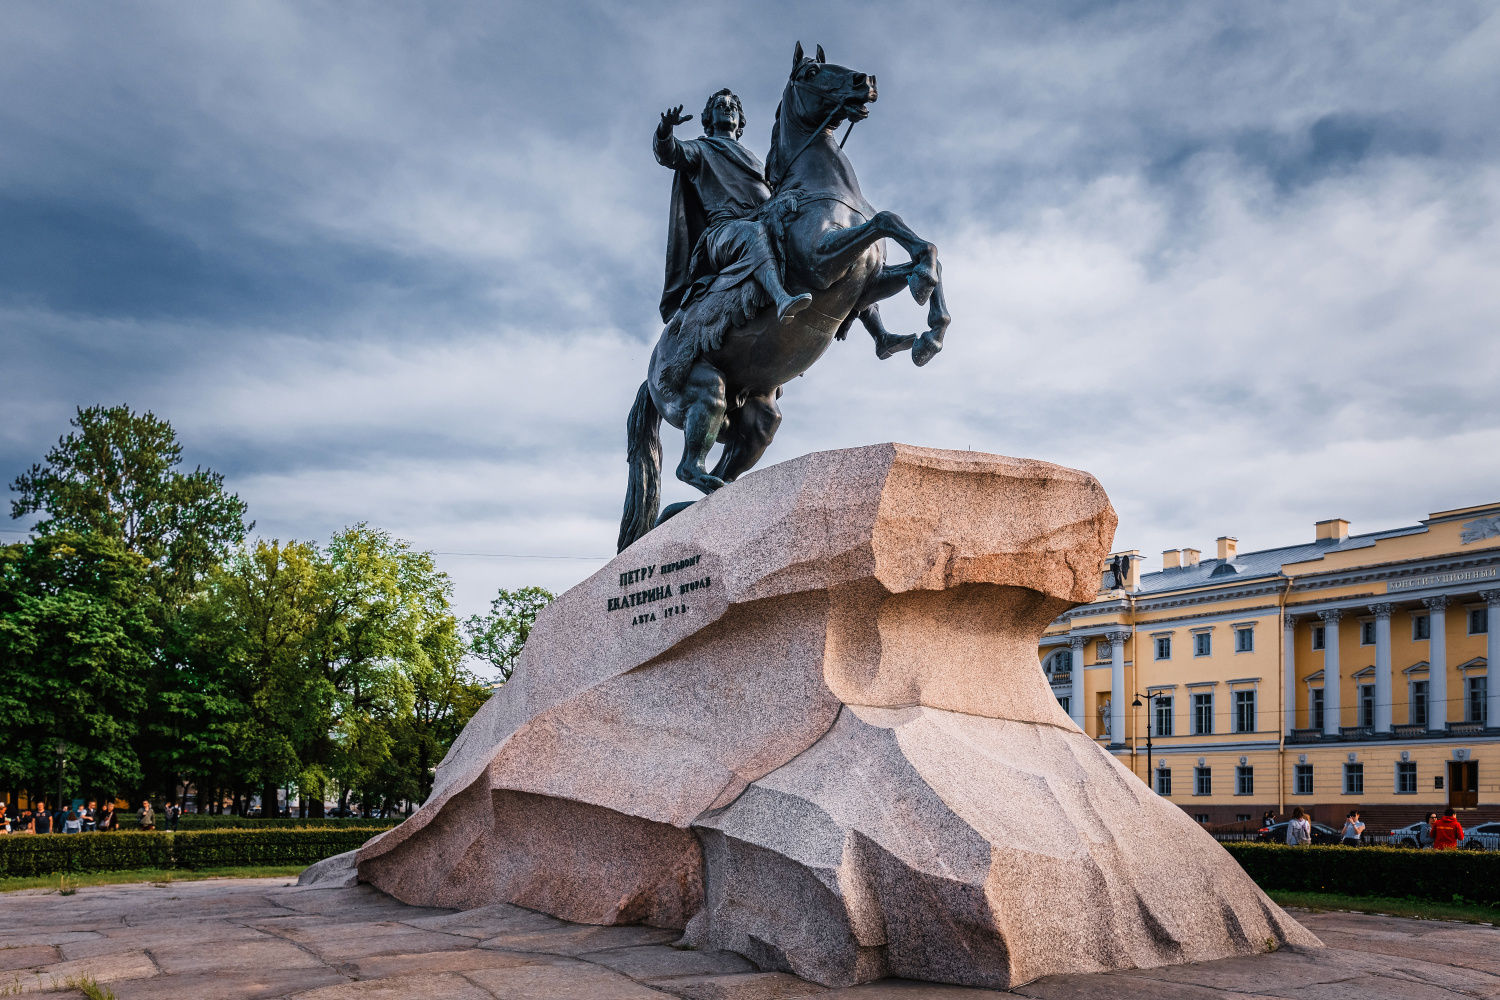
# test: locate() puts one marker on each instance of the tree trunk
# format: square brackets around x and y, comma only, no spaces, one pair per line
[270,807]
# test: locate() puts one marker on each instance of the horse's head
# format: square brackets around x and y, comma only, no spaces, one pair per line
[823,92]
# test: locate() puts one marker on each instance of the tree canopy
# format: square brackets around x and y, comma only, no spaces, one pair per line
[139,627]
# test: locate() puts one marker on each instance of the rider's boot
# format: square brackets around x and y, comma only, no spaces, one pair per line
[787,305]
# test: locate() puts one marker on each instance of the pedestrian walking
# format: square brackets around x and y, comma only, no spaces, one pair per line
[1447,833]
[72,824]
[173,812]
[107,818]
[1353,829]
[42,822]
[90,816]
[145,816]
[1268,818]
[1299,830]
[1424,837]
[4,820]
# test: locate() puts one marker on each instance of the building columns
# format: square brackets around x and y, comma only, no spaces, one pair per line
[1076,700]
[1289,671]
[1492,656]
[1332,708]
[1382,666]
[1437,663]
[1117,695]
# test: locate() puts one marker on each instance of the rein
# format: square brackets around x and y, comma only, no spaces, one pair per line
[816,132]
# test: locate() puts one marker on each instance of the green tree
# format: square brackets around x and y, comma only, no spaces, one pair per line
[499,636]
[77,636]
[116,476]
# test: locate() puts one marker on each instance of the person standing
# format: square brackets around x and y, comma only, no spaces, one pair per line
[90,816]
[107,818]
[173,812]
[1424,837]
[1268,818]
[1299,829]
[72,824]
[1447,833]
[4,820]
[146,818]
[1353,829]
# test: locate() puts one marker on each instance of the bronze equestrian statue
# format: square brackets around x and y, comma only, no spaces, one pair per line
[766,266]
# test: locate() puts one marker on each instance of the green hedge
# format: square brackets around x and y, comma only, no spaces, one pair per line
[52,854]
[193,821]
[1473,876]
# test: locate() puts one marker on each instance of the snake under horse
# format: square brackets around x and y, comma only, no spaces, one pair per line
[831,245]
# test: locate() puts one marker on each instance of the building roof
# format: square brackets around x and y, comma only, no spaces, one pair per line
[1264,563]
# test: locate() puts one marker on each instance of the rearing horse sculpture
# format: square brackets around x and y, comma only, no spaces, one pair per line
[829,241]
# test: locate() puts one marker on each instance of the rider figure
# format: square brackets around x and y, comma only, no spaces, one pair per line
[715,245]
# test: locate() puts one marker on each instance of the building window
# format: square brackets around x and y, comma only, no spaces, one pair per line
[1060,662]
[1164,647]
[1203,643]
[1421,628]
[1244,640]
[1406,778]
[1367,633]
[1244,781]
[1200,817]
[1203,714]
[1302,779]
[1315,708]
[1203,781]
[1063,702]
[1478,689]
[1163,781]
[1354,779]
[1163,715]
[1418,714]
[1242,817]
[1367,705]
[1317,637]
[1244,711]
[1479,621]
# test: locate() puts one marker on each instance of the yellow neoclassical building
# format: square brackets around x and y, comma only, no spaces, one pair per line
[1351,671]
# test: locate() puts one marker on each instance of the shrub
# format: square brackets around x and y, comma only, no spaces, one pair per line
[196,821]
[52,854]
[1373,871]
[247,848]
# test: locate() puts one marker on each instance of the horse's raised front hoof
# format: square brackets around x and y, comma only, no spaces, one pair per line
[925,349]
[890,344]
[922,282]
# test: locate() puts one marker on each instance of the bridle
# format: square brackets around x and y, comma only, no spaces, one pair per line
[816,132]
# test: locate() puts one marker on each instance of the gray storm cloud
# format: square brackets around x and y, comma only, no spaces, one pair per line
[400,263]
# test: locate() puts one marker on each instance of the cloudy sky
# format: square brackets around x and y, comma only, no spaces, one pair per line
[399,262]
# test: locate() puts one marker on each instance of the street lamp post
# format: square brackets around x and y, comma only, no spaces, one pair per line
[1150,775]
[62,758]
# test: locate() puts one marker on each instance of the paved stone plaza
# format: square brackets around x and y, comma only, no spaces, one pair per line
[245,938]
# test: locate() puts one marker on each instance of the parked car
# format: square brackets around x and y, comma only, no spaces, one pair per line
[1484,837]
[1276,834]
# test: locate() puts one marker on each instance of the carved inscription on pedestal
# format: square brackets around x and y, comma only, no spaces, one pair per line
[647,586]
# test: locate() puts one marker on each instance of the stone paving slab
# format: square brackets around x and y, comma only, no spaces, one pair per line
[258,939]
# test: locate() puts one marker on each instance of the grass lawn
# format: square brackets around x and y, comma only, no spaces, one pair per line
[161,876]
[1421,909]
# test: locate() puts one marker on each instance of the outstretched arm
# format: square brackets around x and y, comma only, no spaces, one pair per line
[669,152]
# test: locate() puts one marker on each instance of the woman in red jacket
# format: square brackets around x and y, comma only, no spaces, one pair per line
[1447,833]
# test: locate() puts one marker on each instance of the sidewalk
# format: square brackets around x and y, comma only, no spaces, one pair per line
[253,938]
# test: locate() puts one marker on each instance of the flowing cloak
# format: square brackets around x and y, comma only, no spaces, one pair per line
[715,180]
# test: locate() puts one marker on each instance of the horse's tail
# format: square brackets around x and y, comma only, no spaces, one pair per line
[643,452]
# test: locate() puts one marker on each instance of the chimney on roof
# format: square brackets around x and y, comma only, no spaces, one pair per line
[1227,547]
[1190,557]
[1336,529]
[1171,559]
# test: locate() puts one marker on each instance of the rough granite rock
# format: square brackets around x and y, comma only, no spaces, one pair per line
[803,720]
